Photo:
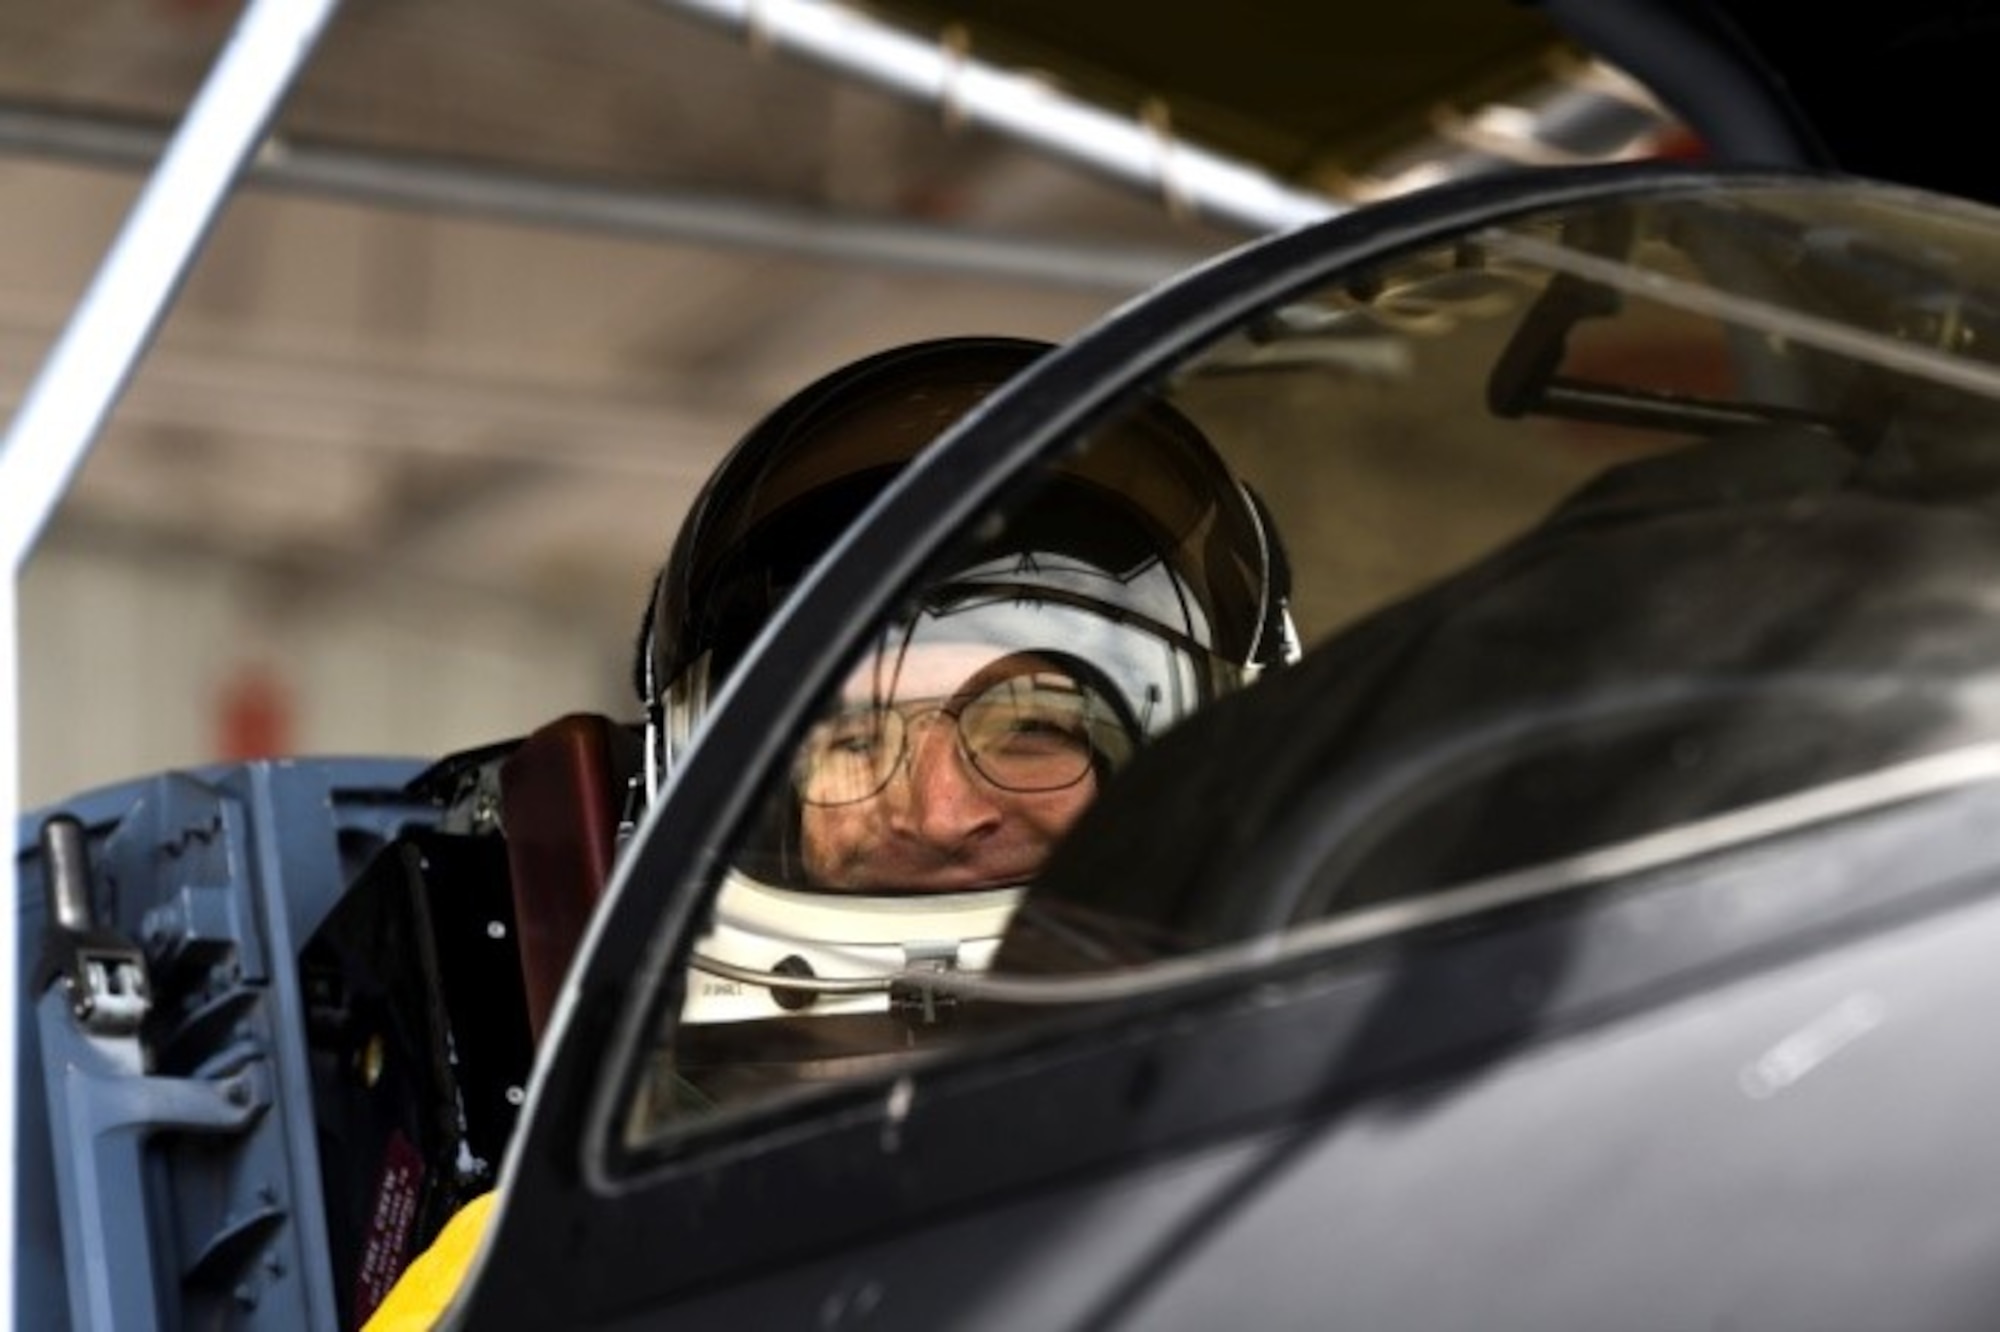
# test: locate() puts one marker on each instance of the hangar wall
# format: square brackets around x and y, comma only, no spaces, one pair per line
[388,679]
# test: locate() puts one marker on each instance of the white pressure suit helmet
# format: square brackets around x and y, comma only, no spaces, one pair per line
[1141,571]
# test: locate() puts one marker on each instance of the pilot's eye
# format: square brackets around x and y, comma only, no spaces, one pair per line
[852,739]
[848,757]
[1029,733]
[1025,725]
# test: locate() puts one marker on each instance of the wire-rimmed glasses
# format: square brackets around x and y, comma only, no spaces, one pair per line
[1032,731]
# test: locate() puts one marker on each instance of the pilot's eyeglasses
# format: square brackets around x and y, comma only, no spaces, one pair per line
[1025,733]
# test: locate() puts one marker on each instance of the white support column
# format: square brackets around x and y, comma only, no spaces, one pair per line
[81,380]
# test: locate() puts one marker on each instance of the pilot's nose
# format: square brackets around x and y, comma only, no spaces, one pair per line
[943,800]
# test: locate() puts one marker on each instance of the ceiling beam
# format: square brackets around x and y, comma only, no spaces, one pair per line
[1189,179]
[439,185]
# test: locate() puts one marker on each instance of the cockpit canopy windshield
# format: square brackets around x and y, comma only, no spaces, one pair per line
[1610,534]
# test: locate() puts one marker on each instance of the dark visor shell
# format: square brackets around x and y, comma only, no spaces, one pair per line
[1144,489]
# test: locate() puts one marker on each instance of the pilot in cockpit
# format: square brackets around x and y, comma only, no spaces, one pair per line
[1137,582]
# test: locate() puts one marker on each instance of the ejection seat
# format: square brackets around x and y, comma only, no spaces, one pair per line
[562,796]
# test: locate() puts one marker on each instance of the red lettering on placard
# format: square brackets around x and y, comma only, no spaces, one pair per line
[385,1250]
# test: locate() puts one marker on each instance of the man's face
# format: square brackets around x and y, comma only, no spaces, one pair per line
[938,823]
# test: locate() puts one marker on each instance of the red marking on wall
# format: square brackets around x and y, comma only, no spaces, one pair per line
[253,715]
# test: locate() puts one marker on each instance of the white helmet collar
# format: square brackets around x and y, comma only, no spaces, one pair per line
[783,953]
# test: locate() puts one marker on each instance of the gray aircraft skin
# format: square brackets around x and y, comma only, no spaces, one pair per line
[1591,929]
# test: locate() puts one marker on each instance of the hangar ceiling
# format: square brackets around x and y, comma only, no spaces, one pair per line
[516,272]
